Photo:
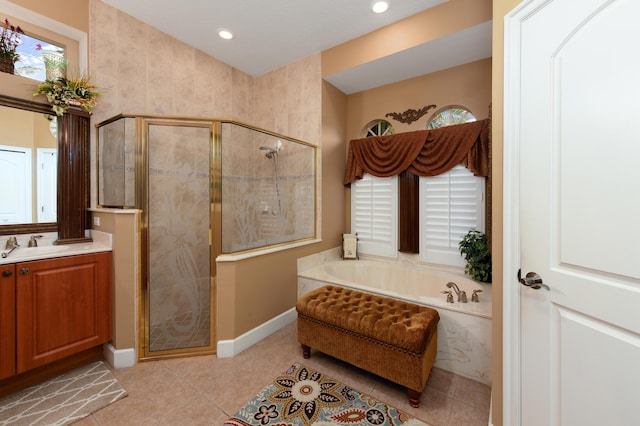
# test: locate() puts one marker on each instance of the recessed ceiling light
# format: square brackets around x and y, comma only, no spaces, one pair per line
[379,6]
[225,33]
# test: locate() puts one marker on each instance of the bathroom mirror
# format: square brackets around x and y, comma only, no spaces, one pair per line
[28,167]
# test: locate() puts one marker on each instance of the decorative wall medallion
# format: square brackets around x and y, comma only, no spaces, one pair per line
[410,115]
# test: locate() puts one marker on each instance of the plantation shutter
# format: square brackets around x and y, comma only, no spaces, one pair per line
[374,214]
[450,205]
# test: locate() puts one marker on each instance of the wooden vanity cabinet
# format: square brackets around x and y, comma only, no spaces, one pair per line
[7,321]
[63,307]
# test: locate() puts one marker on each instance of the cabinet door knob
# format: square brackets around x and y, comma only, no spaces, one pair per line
[7,273]
[24,271]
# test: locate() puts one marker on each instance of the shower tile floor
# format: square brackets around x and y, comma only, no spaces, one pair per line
[206,390]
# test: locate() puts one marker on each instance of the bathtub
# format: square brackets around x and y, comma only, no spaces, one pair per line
[464,330]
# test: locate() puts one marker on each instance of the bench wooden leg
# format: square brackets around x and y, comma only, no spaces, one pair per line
[414,398]
[306,351]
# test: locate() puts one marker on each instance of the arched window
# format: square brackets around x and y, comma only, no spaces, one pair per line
[450,115]
[377,128]
[450,204]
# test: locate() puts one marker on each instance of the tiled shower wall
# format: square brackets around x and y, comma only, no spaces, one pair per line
[144,71]
[267,197]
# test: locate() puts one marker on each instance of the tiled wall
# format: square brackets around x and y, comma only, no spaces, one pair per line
[144,71]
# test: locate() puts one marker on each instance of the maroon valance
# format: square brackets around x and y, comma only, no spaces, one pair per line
[423,152]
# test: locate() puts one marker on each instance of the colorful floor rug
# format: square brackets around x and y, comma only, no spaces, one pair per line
[302,396]
[64,399]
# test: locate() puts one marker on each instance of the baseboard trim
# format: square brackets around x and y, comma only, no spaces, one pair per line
[119,358]
[231,348]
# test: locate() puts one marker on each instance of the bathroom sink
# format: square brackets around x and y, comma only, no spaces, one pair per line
[44,250]
[34,253]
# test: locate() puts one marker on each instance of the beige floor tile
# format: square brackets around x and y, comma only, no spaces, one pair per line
[473,393]
[206,390]
[442,381]
[466,415]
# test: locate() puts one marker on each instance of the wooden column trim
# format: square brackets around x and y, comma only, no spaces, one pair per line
[73,176]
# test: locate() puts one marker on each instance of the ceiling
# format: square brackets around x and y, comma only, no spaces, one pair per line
[271,34]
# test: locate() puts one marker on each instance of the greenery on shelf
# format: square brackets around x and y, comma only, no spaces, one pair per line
[63,92]
[475,250]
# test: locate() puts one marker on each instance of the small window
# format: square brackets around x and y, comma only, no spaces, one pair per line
[37,56]
[450,115]
[378,128]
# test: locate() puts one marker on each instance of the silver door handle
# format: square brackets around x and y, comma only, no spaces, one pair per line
[533,280]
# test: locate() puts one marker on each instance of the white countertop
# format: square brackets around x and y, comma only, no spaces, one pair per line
[46,250]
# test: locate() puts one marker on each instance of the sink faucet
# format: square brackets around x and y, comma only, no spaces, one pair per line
[462,295]
[33,242]
[11,245]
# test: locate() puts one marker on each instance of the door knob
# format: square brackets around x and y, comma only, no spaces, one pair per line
[24,271]
[7,273]
[532,280]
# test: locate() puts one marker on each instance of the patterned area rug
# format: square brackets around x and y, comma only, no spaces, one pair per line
[64,399]
[302,396]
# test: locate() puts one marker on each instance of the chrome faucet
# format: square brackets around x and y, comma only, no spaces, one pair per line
[11,245]
[33,242]
[462,295]
[449,295]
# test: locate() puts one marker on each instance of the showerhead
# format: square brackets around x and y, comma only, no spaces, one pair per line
[273,152]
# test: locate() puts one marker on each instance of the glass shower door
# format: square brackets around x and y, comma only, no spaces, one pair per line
[178,302]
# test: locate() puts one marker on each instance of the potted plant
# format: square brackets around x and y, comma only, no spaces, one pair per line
[9,41]
[63,92]
[475,250]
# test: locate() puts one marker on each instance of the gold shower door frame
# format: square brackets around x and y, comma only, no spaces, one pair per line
[143,125]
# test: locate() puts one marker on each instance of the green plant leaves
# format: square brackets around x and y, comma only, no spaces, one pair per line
[475,250]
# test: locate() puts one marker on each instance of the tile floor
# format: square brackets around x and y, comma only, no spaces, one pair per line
[205,390]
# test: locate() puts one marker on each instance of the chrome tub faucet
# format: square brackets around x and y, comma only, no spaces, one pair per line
[462,295]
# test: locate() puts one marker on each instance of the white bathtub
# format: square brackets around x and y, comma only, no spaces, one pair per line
[464,330]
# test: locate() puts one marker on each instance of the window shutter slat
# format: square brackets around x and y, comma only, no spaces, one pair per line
[374,215]
[451,205]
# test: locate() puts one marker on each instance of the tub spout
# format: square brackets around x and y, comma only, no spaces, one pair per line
[462,295]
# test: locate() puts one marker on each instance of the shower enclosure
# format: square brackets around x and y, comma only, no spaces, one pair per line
[204,188]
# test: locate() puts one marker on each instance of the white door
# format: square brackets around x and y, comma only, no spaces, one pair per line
[15,185]
[47,184]
[572,213]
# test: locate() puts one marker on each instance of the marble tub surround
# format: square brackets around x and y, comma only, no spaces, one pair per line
[464,330]
[46,248]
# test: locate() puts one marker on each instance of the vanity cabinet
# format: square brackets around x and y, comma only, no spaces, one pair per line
[61,306]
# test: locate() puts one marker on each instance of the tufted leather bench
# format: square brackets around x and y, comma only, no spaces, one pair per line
[393,339]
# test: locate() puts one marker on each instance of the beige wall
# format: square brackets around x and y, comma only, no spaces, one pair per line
[122,225]
[74,13]
[468,85]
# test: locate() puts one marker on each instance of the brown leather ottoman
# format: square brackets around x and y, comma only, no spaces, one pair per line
[393,339]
